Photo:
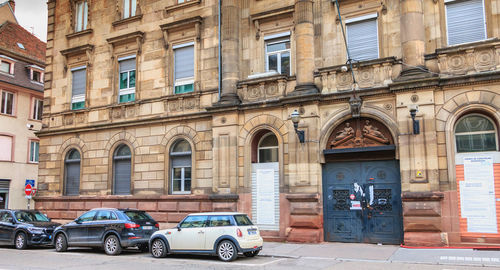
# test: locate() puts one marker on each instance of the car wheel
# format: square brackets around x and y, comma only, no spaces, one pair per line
[112,245]
[227,251]
[21,241]
[158,248]
[251,253]
[143,247]
[61,243]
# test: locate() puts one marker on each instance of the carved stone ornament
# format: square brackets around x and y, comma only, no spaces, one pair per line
[359,132]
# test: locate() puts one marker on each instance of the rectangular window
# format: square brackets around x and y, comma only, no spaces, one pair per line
[184,68]
[36,76]
[34,151]
[278,53]
[79,85]
[465,21]
[362,37]
[37,109]
[127,78]
[81,15]
[181,180]
[5,148]
[5,67]
[7,103]
[129,8]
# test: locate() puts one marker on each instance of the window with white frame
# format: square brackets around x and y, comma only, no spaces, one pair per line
[475,133]
[465,21]
[127,78]
[6,67]
[180,163]
[36,76]
[129,8]
[81,15]
[37,109]
[278,53]
[6,148]
[34,151]
[184,68]
[362,37]
[268,148]
[7,103]
[78,87]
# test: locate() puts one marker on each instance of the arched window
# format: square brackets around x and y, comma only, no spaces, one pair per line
[122,170]
[180,164]
[475,133]
[72,173]
[268,148]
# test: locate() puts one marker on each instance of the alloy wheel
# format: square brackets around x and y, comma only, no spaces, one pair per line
[111,245]
[226,251]
[157,248]
[20,241]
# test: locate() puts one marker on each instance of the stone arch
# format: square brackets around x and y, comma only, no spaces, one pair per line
[248,132]
[340,116]
[110,154]
[182,131]
[483,101]
[122,136]
[71,143]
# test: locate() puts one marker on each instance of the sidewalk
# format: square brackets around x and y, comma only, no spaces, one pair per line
[382,253]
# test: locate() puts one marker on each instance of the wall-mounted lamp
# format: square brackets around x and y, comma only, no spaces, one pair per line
[295,116]
[416,123]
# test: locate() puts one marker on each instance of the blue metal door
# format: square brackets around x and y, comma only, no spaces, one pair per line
[362,202]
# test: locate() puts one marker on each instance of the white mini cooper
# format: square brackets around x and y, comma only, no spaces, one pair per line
[221,234]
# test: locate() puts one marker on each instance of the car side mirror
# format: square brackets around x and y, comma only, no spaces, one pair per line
[78,221]
[11,220]
[178,228]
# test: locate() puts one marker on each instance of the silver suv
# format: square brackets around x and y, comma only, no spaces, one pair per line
[221,234]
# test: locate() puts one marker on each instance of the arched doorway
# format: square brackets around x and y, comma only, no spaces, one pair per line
[362,184]
[265,180]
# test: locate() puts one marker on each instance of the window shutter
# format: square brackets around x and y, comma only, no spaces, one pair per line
[465,21]
[72,187]
[126,65]
[184,62]
[4,184]
[362,40]
[79,82]
[181,161]
[122,177]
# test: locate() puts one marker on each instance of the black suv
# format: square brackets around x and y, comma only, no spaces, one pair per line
[109,228]
[24,228]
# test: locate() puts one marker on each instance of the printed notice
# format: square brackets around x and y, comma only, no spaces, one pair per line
[477,195]
[265,197]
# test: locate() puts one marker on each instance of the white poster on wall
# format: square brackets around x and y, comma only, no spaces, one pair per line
[265,196]
[477,195]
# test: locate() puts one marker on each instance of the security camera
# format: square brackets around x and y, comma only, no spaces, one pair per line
[343,68]
[30,126]
[413,108]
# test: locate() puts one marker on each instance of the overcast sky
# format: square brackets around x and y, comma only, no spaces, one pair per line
[32,15]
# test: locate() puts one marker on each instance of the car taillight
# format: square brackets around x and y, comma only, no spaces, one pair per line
[239,233]
[157,225]
[131,225]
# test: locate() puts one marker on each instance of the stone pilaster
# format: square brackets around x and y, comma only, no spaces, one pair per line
[230,52]
[304,46]
[413,39]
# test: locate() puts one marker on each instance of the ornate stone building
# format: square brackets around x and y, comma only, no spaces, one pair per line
[145,108]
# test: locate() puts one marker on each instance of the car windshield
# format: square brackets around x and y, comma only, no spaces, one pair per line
[137,215]
[29,216]
[243,220]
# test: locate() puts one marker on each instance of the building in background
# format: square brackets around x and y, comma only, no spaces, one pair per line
[22,62]
[135,115]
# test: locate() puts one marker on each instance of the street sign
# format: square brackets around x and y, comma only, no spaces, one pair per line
[28,190]
[30,182]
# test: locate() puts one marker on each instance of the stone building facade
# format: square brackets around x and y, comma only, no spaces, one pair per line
[135,114]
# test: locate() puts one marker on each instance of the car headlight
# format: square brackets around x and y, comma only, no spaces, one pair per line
[35,230]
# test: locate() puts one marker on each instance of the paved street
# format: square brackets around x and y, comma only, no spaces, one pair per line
[286,256]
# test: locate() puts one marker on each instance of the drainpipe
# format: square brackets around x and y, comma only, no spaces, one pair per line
[220,51]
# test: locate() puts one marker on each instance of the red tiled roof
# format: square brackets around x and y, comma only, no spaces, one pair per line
[11,34]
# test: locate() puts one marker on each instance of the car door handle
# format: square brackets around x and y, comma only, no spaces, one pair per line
[201,232]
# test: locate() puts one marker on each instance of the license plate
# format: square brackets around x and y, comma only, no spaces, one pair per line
[252,232]
[147,227]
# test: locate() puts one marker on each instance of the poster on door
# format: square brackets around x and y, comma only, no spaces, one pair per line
[477,195]
[265,197]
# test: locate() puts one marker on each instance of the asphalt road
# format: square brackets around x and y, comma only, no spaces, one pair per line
[80,258]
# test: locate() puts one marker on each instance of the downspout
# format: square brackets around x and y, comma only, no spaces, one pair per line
[220,52]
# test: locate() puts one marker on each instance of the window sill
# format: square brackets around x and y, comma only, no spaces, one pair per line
[127,20]
[7,74]
[35,120]
[467,46]
[9,115]
[79,33]
[182,5]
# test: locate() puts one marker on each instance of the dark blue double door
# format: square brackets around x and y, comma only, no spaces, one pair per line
[362,202]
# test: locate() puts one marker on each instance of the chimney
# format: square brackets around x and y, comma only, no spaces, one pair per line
[12,4]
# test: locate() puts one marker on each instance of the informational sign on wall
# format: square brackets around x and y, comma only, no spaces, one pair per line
[477,195]
[265,196]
